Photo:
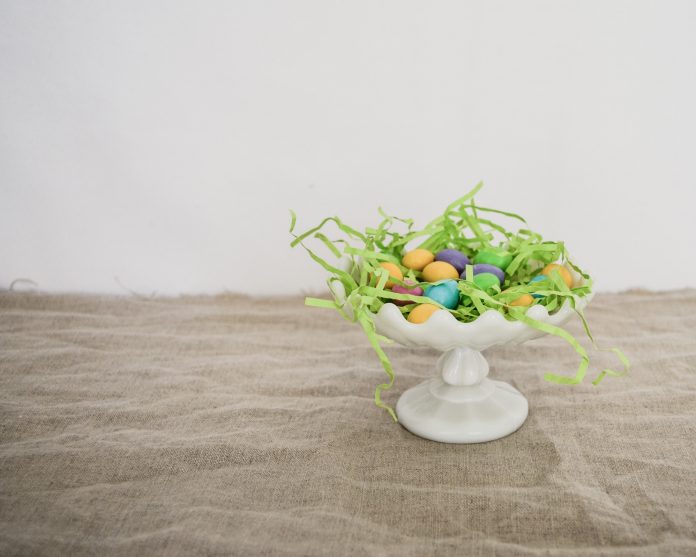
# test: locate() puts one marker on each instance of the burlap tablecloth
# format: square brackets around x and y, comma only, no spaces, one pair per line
[231,426]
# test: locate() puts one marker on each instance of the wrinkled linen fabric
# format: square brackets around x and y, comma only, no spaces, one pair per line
[234,426]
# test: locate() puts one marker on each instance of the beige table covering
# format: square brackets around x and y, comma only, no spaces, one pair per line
[231,426]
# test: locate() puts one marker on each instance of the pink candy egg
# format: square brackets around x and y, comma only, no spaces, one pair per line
[398,289]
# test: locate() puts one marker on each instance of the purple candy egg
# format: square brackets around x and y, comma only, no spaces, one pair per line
[454,257]
[486,268]
[415,291]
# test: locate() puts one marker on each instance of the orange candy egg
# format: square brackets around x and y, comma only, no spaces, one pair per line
[524,300]
[565,273]
[439,270]
[421,313]
[417,259]
[393,271]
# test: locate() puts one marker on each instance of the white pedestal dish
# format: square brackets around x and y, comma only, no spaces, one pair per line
[461,405]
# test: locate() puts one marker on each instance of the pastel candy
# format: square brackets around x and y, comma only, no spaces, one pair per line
[578,279]
[439,270]
[393,271]
[565,273]
[454,257]
[413,291]
[486,268]
[524,300]
[445,293]
[494,256]
[421,313]
[537,278]
[486,281]
[417,259]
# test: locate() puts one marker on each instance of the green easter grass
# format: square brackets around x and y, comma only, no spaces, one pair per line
[469,228]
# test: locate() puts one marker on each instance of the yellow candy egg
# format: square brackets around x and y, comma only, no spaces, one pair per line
[421,313]
[417,259]
[565,274]
[524,300]
[439,270]
[393,271]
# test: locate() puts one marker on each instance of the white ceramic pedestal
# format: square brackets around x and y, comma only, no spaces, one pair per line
[462,405]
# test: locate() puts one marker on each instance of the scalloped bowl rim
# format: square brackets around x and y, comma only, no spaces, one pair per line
[443,331]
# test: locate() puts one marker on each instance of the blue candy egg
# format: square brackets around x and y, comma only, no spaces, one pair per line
[538,278]
[444,292]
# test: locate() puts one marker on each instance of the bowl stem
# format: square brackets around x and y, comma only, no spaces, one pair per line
[462,367]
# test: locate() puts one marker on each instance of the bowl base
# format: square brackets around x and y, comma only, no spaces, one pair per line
[447,413]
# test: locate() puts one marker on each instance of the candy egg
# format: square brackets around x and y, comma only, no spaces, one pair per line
[494,256]
[578,279]
[445,293]
[454,257]
[417,259]
[565,274]
[421,313]
[413,291]
[537,278]
[486,268]
[524,300]
[393,271]
[439,270]
[486,281]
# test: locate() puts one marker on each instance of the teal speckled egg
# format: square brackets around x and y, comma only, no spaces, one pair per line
[538,278]
[445,293]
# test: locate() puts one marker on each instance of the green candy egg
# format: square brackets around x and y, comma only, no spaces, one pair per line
[486,281]
[494,256]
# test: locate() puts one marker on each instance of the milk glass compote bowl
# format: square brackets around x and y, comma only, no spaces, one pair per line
[461,404]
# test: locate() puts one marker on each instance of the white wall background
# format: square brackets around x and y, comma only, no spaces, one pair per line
[163,142]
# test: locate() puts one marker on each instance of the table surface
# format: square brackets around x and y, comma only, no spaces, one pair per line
[228,425]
